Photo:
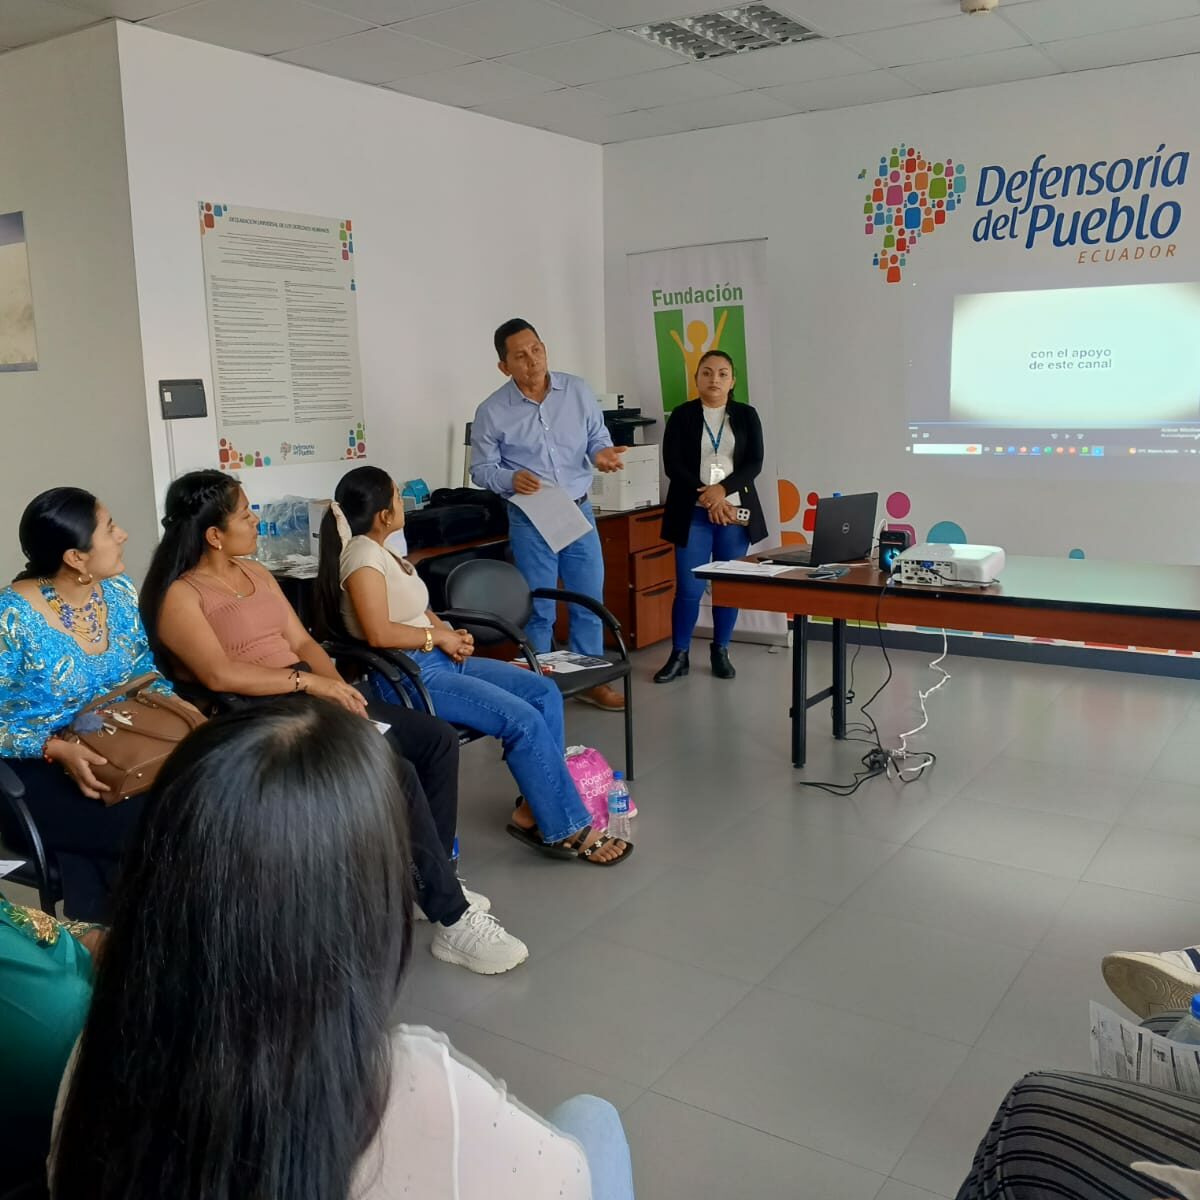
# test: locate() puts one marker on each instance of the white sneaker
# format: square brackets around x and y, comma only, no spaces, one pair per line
[1153,983]
[474,899]
[480,943]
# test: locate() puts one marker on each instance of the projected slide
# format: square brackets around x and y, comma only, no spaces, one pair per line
[1114,368]
[1107,358]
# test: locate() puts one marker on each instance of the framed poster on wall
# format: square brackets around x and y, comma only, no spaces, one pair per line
[280,291]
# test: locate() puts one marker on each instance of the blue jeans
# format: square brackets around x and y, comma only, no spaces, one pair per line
[580,566]
[523,710]
[706,543]
[596,1126]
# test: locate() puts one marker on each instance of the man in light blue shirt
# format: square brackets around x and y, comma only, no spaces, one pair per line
[544,425]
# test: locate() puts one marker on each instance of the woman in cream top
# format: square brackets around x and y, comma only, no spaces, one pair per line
[379,598]
[239,1041]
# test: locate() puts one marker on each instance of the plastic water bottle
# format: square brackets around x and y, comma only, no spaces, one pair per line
[261,531]
[1188,1029]
[618,808]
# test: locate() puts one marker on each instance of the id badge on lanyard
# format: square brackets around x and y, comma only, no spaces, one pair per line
[716,472]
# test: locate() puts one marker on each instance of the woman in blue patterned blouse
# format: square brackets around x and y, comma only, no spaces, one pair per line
[69,632]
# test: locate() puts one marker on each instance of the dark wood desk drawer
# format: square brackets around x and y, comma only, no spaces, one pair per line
[651,567]
[652,614]
[645,530]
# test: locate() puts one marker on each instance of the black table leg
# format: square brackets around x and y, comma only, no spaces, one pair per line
[799,689]
[839,678]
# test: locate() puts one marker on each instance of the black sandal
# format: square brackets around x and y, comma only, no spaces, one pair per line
[532,837]
[603,840]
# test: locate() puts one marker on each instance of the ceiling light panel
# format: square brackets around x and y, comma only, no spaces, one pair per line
[728,31]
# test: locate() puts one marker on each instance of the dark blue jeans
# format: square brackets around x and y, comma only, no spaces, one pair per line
[523,710]
[706,543]
[580,566]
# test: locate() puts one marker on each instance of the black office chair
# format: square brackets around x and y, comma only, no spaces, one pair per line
[493,601]
[353,659]
[394,664]
[38,869]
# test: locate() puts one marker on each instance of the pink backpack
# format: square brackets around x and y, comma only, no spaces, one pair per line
[592,776]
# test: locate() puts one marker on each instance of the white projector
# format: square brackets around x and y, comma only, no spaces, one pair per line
[942,564]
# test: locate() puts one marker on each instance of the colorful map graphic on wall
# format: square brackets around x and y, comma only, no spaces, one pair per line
[911,197]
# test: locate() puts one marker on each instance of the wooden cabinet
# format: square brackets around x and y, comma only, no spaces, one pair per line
[639,574]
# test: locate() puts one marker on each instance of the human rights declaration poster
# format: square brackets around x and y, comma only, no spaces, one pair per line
[283,334]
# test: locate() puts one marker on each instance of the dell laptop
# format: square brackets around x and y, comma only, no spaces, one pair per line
[844,531]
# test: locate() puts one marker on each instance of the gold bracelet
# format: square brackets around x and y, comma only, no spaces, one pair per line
[428,639]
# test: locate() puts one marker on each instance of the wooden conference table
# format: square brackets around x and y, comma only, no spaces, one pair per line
[1082,600]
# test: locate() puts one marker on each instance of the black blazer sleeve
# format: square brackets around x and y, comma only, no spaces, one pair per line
[748,450]
[681,458]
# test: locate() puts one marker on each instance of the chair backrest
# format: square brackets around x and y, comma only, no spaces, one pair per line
[435,571]
[492,587]
[38,869]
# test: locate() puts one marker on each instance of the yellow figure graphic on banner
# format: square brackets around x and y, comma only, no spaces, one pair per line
[697,333]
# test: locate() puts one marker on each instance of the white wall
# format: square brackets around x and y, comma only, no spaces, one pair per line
[838,330]
[80,418]
[460,222]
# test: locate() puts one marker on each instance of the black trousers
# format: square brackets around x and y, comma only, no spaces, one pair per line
[1063,1135]
[428,750]
[88,838]
[85,836]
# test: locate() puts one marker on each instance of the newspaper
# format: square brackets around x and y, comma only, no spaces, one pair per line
[1122,1049]
[563,662]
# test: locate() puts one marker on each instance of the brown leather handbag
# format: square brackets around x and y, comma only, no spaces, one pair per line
[135,730]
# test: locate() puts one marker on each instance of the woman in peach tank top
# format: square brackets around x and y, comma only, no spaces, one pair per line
[250,621]
[219,618]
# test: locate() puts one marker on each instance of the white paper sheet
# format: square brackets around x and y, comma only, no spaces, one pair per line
[8,865]
[1124,1050]
[766,570]
[554,515]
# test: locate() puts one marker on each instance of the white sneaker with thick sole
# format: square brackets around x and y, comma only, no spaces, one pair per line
[480,943]
[1153,983]
[474,899]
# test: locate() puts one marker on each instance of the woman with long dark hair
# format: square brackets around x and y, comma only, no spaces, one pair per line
[377,597]
[712,454]
[218,618]
[239,1043]
[69,633]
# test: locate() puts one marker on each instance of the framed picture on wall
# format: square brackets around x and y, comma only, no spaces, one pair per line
[18,335]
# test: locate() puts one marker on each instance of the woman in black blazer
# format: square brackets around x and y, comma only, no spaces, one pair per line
[712,453]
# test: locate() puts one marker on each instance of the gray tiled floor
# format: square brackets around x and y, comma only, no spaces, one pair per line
[792,994]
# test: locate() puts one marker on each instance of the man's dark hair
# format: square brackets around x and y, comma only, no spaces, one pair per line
[511,326]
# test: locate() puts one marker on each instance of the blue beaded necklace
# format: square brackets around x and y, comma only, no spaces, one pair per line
[86,621]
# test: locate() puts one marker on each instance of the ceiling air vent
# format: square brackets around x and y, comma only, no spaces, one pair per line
[727,31]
